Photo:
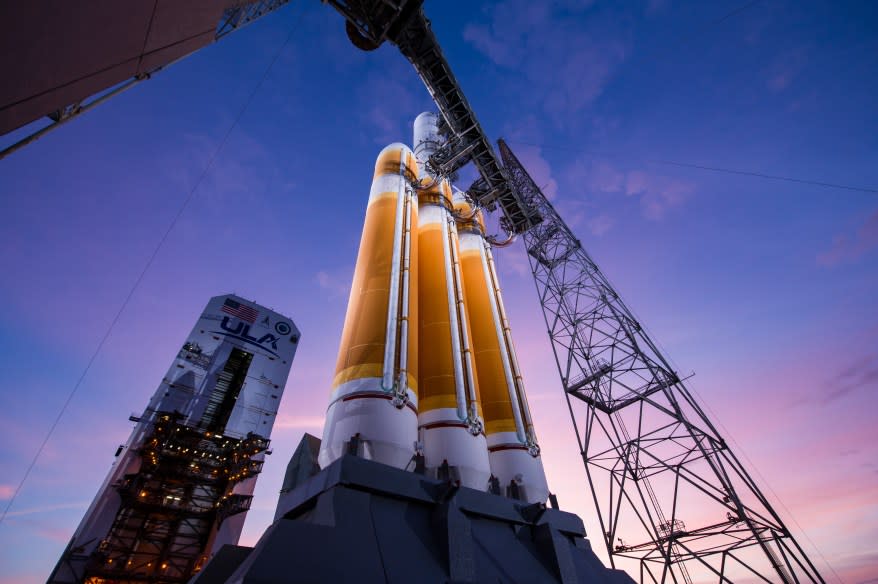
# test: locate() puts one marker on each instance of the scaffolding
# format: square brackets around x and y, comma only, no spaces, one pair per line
[172,507]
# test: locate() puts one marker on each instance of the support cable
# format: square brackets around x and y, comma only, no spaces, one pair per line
[146,268]
[595,154]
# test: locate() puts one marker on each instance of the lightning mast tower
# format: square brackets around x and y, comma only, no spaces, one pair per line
[656,465]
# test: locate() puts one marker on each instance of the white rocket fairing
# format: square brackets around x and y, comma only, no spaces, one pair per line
[426,363]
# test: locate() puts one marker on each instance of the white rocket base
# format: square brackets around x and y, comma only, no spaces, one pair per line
[517,463]
[361,407]
[456,445]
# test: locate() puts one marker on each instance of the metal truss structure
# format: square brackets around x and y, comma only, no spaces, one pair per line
[402,22]
[239,16]
[656,465]
[171,509]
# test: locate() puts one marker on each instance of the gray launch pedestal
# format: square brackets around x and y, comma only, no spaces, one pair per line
[362,521]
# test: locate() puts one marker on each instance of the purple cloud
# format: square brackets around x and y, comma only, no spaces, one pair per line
[336,281]
[389,124]
[526,135]
[539,169]
[657,193]
[600,224]
[863,373]
[568,61]
[785,68]
[851,247]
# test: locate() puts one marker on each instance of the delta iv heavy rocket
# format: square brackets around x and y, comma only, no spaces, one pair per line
[426,365]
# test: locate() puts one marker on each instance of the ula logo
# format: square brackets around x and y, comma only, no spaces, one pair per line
[242,332]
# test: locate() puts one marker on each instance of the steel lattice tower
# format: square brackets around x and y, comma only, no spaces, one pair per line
[652,456]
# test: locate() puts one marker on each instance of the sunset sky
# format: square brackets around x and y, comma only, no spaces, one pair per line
[766,289]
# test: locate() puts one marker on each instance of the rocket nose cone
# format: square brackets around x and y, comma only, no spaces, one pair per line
[426,135]
[427,118]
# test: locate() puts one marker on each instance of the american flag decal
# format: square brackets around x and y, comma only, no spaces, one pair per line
[239,310]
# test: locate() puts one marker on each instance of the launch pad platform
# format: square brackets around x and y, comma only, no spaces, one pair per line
[362,521]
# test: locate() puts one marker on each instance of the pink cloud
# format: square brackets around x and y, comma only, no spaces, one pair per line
[862,374]
[6,492]
[657,193]
[531,157]
[337,281]
[600,224]
[573,211]
[596,175]
[47,509]
[512,261]
[526,135]
[287,421]
[850,247]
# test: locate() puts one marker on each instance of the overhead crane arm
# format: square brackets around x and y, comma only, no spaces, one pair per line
[370,23]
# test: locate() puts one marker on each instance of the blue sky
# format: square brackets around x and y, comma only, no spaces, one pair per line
[765,288]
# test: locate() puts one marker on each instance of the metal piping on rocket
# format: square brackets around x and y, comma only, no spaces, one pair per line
[393,308]
[413,339]
[521,404]
[459,383]
[513,449]
[472,418]
[501,328]
[494,242]
[400,396]
[377,363]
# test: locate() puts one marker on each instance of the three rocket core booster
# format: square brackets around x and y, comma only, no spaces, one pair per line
[426,365]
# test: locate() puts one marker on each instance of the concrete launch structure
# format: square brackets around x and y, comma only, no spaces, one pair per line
[427,371]
[180,487]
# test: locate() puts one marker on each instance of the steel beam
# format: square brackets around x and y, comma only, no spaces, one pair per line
[658,469]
